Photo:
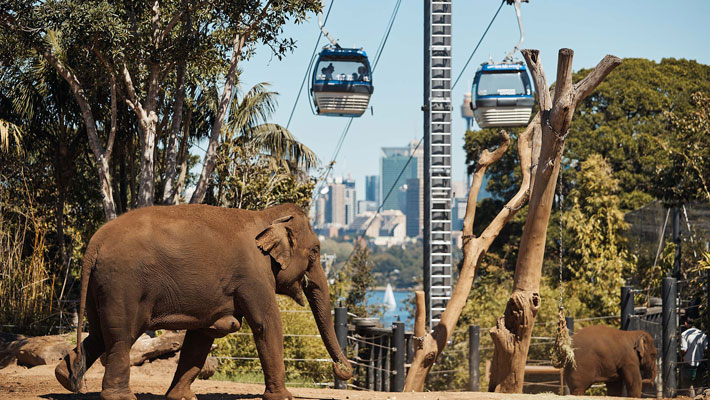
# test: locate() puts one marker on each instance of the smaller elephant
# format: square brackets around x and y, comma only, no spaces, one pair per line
[615,357]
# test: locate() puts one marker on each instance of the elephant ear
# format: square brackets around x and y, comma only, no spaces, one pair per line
[277,241]
[640,346]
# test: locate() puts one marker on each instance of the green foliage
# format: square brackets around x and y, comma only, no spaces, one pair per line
[626,115]
[359,271]
[596,254]
[296,320]
[398,265]
[683,173]
[247,179]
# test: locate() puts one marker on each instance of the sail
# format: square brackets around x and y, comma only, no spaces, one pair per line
[389,301]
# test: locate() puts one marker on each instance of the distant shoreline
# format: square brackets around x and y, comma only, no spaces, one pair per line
[383,288]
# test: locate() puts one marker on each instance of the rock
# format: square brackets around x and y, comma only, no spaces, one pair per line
[147,348]
[209,368]
[704,395]
[9,347]
[42,350]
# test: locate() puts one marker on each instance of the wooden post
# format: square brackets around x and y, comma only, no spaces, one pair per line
[511,335]
[474,357]
[627,307]
[341,332]
[397,384]
[669,345]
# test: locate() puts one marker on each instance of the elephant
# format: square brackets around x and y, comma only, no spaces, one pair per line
[618,358]
[199,268]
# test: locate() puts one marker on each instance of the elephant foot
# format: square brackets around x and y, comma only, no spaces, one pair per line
[117,394]
[283,394]
[61,372]
[180,394]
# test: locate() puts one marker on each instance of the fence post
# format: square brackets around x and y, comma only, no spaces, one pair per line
[397,383]
[669,326]
[569,321]
[474,357]
[341,332]
[627,307]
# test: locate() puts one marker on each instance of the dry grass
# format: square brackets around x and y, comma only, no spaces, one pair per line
[26,286]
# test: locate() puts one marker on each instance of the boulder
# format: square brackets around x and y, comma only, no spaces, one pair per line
[42,350]
[148,348]
[209,368]
[704,395]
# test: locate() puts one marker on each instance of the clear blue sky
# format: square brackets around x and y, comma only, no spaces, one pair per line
[646,29]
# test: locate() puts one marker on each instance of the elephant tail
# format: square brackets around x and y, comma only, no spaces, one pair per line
[79,366]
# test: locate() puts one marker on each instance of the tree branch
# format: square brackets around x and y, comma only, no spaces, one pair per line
[487,158]
[585,87]
[114,113]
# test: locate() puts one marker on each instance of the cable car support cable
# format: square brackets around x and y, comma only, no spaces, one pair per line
[478,44]
[341,140]
[310,64]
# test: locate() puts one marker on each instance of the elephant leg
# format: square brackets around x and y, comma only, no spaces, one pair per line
[92,348]
[615,388]
[263,315]
[194,351]
[631,376]
[119,332]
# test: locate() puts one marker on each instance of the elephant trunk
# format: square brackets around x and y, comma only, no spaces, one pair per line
[316,290]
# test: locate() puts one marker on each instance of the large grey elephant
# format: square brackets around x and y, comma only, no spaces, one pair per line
[199,268]
[607,355]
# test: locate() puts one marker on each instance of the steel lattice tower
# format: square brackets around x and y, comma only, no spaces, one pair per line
[437,157]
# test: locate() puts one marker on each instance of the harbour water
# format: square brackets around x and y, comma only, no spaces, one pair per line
[377,297]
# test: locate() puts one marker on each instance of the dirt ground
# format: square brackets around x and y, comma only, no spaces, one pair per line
[150,382]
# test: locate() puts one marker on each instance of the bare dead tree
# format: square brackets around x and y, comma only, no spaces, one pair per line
[539,145]
[429,346]
[511,336]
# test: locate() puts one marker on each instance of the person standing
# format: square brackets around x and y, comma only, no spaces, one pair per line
[693,346]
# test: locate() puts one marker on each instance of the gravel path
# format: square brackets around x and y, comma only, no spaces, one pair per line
[150,382]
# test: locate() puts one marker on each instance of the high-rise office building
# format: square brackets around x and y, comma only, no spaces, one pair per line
[392,161]
[413,212]
[338,204]
[335,204]
[372,188]
[350,200]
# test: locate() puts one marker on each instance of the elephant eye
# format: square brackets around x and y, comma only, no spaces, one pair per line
[313,256]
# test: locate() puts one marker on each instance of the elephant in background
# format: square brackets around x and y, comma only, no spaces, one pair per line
[615,357]
[199,268]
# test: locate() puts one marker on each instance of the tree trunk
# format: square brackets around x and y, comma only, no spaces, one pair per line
[430,346]
[172,145]
[209,164]
[511,336]
[102,156]
[182,158]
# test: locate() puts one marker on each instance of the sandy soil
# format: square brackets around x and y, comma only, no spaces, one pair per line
[150,382]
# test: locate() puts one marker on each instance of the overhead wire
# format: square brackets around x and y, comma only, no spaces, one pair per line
[310,64]
[343,135]
[477,45]
[411,156]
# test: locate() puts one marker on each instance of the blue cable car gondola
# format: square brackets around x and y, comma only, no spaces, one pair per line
[342,82]
[502,95]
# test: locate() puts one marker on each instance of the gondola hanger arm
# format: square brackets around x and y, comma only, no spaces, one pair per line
[322,28]
[509,57]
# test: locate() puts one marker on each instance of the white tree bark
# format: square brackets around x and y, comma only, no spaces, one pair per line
[102,156]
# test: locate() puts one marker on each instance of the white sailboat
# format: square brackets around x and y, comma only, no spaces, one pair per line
[388,301]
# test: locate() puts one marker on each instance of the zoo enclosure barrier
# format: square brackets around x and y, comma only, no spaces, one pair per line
[661,320]
[381,357]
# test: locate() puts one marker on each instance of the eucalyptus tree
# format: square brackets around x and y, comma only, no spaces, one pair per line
[145,54]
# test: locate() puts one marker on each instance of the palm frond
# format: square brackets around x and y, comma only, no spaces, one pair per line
[256,107]
[8,130]
[280,143]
